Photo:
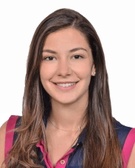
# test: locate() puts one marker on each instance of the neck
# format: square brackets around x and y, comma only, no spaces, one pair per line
[67,117]
[78,129]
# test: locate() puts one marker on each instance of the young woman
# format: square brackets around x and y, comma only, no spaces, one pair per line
[66,116]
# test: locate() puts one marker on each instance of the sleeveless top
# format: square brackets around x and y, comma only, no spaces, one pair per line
[126,137]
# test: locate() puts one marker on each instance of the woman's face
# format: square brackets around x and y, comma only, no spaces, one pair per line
[67,66]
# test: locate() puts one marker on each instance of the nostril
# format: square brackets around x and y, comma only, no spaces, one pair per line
[64,70]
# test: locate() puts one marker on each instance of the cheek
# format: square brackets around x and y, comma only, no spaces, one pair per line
[84,71]
[43,76]
[42,73]
[45,72]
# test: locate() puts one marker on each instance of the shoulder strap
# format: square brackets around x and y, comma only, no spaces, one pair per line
[128,145]
[122,132]
[11,123]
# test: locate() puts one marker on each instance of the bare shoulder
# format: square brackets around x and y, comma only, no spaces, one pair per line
[2,141]
[131,163]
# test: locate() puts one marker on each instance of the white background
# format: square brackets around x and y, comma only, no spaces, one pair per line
[114,21]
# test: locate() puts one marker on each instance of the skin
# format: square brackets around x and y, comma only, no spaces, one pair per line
[65,73]
[67,60]
[131,163]
[2,142]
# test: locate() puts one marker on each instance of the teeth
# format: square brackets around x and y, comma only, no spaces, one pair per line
[65,84]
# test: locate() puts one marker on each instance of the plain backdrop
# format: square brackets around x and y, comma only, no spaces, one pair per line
[114,21]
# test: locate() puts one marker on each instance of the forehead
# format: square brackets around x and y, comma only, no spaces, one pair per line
[67,37]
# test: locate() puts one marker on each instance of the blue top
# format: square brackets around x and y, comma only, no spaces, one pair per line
[76,157]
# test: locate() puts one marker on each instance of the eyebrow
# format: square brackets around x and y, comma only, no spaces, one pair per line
[72,50]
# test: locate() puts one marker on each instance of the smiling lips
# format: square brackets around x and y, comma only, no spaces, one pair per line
[66,85]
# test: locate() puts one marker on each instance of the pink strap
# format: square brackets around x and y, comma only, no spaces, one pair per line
[128,145]
[10,133]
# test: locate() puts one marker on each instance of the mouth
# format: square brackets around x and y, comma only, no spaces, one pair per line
[66,84]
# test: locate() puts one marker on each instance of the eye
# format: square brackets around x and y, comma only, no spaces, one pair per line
[49,58]
[77,57]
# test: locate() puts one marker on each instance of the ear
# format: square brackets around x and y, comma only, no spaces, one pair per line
[93,70]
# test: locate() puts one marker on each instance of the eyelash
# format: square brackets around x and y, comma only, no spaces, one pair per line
[78,57]
[51,58]
[48,58]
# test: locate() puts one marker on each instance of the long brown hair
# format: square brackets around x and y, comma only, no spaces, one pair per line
[101,147]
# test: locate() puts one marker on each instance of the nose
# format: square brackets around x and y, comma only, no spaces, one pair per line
[64,68]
